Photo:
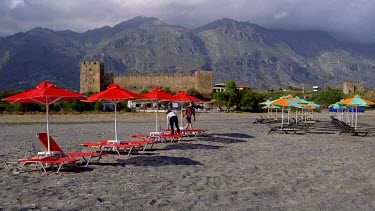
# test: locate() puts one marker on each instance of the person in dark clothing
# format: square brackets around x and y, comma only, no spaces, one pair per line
[173,121]
[189,113]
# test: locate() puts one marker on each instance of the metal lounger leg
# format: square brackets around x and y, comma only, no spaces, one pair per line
[87,161]
[59,167]
[130,150]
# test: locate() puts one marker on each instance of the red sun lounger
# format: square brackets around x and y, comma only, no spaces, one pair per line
[42,162]
[54,147]
[113,146]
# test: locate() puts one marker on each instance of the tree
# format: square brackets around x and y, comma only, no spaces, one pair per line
[251,100]
[221,98]
[328,96]
[144,92]
[169,91]
[234,95]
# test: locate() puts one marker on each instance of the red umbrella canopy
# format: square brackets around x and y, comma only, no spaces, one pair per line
[45,93]
[184,97]
[114,93]
[159,95]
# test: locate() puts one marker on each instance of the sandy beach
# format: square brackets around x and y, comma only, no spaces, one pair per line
[236,166]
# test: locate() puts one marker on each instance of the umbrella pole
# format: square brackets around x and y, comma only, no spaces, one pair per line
[115,121]
[47,111]
[157,111]
[282,117]
[181,114]
[356,117]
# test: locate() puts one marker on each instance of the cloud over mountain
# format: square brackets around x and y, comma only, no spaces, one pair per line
[342,18]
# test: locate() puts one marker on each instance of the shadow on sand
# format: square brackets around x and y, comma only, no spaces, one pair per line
[234,135]
[221,140]
[158,161]
[191,146]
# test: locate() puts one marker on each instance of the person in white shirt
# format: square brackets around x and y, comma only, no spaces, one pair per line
[173,121]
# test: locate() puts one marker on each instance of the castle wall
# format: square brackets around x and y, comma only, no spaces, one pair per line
[201,81]
[94,80]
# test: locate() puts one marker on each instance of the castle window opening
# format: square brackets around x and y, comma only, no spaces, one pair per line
[89,69]
[134,87]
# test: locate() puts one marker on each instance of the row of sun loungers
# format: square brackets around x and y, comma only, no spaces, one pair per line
[56,159]
[342,127]
[295,126]
[300,126]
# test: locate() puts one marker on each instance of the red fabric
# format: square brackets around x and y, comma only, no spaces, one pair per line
[184,97]
[113,93]
[158,94]
[45,93]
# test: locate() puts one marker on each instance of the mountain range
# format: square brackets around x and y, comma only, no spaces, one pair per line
[241,51]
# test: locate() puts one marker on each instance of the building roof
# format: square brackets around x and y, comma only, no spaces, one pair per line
[243,86]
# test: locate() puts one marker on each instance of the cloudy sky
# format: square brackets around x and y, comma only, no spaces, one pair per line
[343,18]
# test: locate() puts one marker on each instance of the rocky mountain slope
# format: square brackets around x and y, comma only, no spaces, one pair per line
[241,51]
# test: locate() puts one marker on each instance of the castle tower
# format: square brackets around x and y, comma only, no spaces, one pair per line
[351,88]
[92,77]
[203,81]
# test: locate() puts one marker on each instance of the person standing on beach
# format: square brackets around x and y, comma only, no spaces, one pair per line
[173,121]
[189,113]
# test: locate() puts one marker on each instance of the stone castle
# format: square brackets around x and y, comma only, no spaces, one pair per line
[352,88]
[93,80]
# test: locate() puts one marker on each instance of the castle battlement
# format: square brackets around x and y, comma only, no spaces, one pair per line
[93,79]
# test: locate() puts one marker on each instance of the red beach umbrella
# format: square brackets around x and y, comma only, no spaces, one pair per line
[114,94]
[158,95]
[183,97]
[45,93]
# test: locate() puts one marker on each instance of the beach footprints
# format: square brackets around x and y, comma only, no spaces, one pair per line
[159,202]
